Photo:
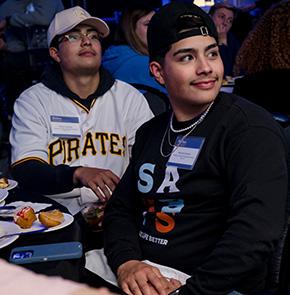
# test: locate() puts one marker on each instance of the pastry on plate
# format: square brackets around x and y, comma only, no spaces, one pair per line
[51,218]
[25,217]
[4,182]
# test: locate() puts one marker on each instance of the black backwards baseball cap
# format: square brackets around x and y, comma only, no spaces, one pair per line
[176,21]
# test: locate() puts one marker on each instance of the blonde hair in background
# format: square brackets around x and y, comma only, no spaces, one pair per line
[128,29]
[267,45]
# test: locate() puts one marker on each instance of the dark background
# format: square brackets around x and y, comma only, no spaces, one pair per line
[105,8]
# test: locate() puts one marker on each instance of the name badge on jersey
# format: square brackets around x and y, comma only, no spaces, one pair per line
[185,153]
[65,127]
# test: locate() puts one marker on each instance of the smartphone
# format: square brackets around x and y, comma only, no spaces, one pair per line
[46,252]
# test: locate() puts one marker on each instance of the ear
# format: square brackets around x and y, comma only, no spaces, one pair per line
[156,70]
[53,52]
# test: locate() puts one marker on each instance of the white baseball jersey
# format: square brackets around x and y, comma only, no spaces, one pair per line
[58,130]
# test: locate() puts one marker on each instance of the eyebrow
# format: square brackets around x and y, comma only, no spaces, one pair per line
[186,50]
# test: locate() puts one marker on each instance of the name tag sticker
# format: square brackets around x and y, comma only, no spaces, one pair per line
[65,127]
[185,153]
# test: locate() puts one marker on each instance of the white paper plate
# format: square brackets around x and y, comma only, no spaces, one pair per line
[3,194]
[12,184]
[10,227]
[68,219]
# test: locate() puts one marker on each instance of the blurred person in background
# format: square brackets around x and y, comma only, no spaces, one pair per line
[223,16]
[16,18]
[127,59]
[264,60]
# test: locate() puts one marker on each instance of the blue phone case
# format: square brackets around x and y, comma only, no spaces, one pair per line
[46,252]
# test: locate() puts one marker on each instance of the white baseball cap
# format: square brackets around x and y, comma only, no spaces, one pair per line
[67,19]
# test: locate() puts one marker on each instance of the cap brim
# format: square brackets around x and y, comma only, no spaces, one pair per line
[94,22]
[98,24]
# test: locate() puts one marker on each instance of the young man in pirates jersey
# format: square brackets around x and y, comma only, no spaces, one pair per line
[205,191]
[72,133]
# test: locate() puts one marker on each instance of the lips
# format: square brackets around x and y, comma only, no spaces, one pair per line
[87,53]
[204,84]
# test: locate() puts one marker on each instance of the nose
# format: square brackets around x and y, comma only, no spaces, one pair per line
[86,40]
[203,66]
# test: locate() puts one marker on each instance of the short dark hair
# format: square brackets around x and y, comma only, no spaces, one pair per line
[55,42]
[217,6]
[159,56]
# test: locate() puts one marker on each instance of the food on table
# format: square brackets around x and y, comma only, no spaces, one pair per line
[4,182]
[51,218]
[25,217]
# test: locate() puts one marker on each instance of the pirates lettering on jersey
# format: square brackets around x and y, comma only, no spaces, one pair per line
[64,151]
[164,210]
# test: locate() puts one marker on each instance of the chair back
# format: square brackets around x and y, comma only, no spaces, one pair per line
[157,100]
[37,50]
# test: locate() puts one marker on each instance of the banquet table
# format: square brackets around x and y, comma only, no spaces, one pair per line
[69,269]
[72,269]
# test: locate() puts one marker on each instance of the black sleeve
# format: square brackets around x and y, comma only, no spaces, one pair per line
[257,179]
[43,178]
[122,215]
[120,224]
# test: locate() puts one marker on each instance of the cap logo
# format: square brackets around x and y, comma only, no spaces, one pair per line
[80,14]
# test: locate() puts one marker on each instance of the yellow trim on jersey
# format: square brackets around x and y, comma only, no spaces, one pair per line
[103,137]
[73,149]
[80,105]
[28,159]
[89,145]
[113,144]
[93,102]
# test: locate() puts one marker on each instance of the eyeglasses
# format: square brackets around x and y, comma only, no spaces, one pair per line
[78,36]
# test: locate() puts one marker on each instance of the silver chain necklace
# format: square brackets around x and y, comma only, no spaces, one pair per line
[190,128]
[193,124]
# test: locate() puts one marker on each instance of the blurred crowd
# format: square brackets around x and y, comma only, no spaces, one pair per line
[61,66]
[24,54]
